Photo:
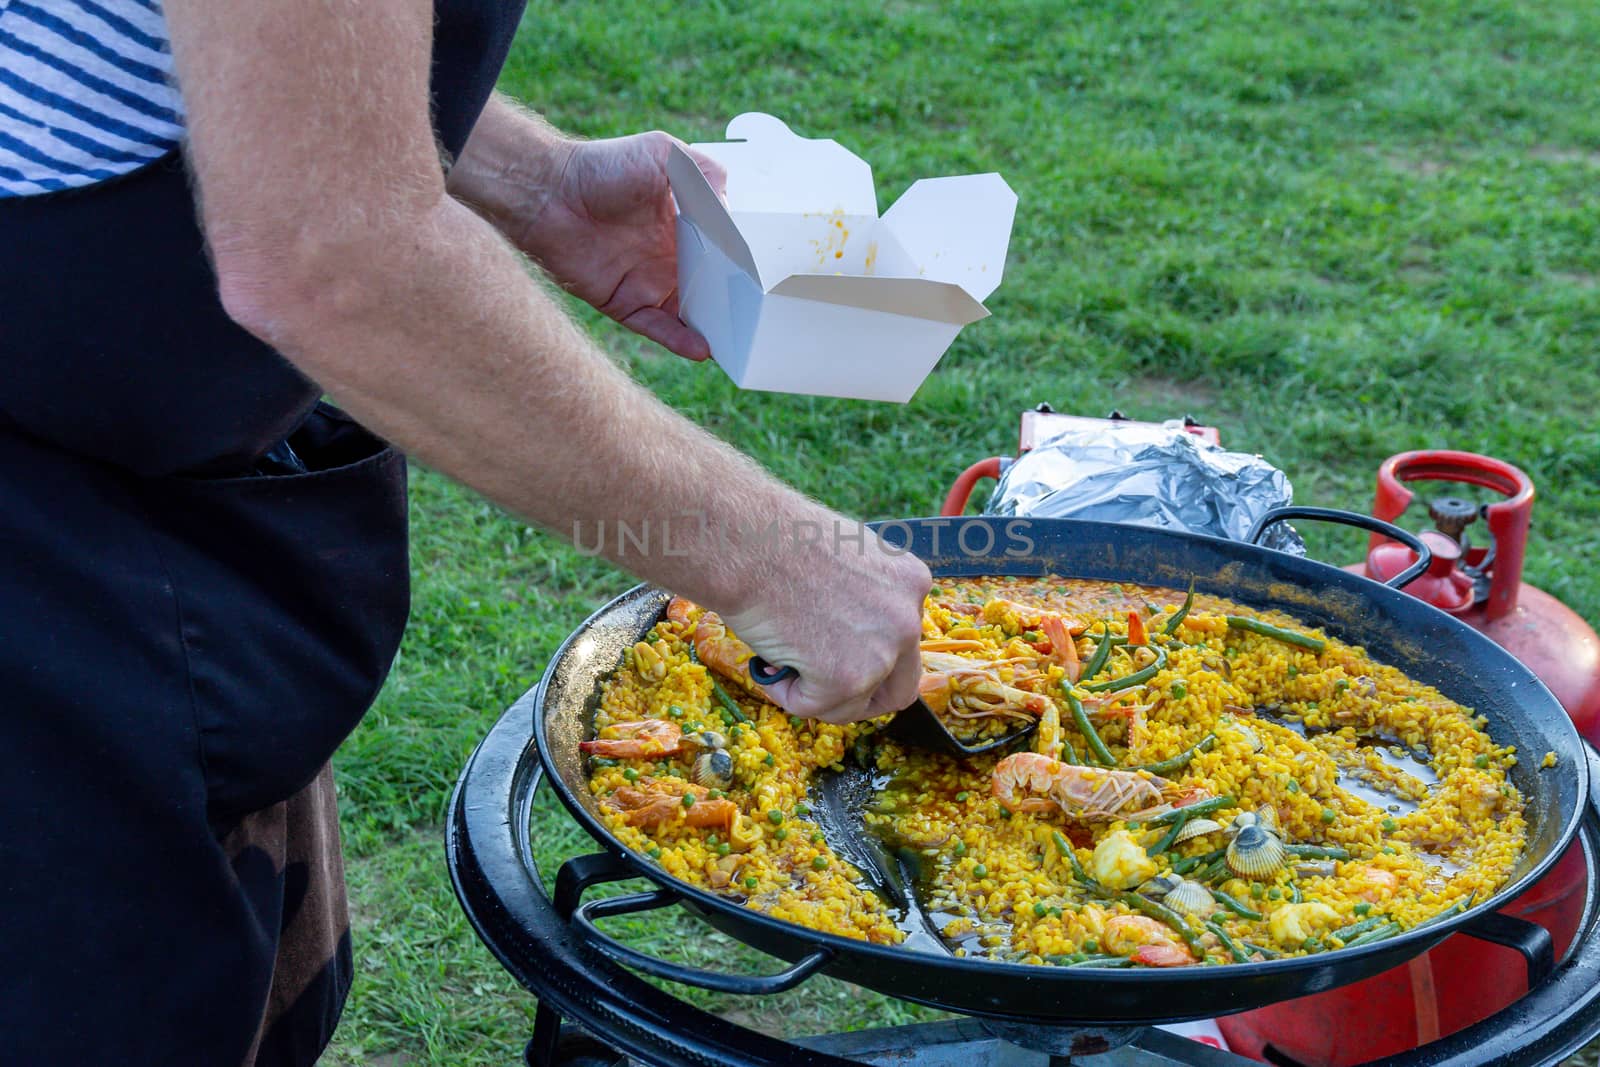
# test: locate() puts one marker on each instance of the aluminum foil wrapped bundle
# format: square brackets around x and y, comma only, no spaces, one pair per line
[1149,475]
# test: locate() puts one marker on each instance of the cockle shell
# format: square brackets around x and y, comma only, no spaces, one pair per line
[1255,852]
[1196,828]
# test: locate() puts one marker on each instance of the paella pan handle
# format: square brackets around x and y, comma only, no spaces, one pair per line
[577,874]
[1530,939]
[1353,518]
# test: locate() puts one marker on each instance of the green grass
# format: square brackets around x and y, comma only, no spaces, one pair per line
[1337,231]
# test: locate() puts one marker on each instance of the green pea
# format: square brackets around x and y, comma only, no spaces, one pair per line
[1328,815]
[1361,909]
[715,794]
[1311,705]
[795,721]
[1342,684]
[980,871]
[775,817]
[1389,826]
[1274,893]
[1179,690]
[1005,812]
[936,591]
[1257,890]
[960,849]
[1293,786]
[820,863]
[817,838]
[1387,851]
[1055,913]
[630,774]
[1091,945]
[961,798]
[1293,670]
[602,761]
[1480,761]
[781,833]
[723,848]
[673,711]
[751,882]
[1040,910]
[768,760]
[711,839]
[802,808]
[655,853]
[688,800]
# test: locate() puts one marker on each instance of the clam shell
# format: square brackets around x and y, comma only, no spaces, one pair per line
[713,769]
[1159,886]
[1266,818]
[708,739]
[1255,853]
[1191,898]
[1197,828]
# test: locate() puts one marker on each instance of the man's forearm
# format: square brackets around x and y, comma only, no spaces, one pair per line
[435,336]
[510,166]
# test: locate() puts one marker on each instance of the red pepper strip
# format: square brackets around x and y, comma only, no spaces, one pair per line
[1136,635]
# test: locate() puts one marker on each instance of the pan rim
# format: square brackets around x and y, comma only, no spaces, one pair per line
[801,940]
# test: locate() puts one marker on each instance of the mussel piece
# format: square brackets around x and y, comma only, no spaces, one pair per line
[708,739]
[1196,828]
[1255,852]
[1159,886]
[713,769]
[1266,818]
[1191,898]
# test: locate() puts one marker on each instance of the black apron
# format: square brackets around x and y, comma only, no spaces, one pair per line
[202,585]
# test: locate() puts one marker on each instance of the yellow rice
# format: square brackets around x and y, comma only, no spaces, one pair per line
[997,881]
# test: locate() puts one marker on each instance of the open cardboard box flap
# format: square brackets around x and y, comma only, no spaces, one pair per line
[880,299]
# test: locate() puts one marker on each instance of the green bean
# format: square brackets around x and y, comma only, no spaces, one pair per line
[1227,942]
[1070,854]
[1269,953]
[1069,755]
[1103,961]
[1345,933]
[1167,838]
[1181,760]
[728,702]
[1387,930]
[1459,906]
[1266,629]
[1234,905]
[1189,811]
[1182,613]
[1097,747]
[1102,652]
[1317,852]
[1128,681]
[1204,859]
[1294,894]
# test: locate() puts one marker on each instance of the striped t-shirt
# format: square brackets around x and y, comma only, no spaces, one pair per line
[85,92]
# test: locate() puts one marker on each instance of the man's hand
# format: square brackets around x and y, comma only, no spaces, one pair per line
[597,215]
[848,620]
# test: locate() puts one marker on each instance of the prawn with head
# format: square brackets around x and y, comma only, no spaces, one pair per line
[1030,781]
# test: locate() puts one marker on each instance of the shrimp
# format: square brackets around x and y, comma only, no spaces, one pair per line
[970,693]
[1087,793]
[1374,883]
[716,646]
[642,737]
[655,801]
[1063,649]
[1146,941]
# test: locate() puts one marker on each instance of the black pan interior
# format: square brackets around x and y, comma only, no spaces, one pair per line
[1398,629]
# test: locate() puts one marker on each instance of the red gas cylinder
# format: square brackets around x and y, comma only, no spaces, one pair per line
[1462,980]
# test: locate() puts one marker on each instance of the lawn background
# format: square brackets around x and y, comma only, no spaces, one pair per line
[1336,231]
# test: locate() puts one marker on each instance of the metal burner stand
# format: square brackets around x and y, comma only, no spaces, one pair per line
[534,935]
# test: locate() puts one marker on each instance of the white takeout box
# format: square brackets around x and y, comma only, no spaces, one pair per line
[800,287]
